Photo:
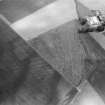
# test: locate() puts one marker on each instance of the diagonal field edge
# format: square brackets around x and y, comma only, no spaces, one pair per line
[45,19]
[29,32]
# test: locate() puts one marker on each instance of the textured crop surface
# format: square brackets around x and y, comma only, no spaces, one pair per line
[25,78]
[20,65]
[73,55]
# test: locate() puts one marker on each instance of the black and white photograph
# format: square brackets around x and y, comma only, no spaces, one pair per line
[52,52]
